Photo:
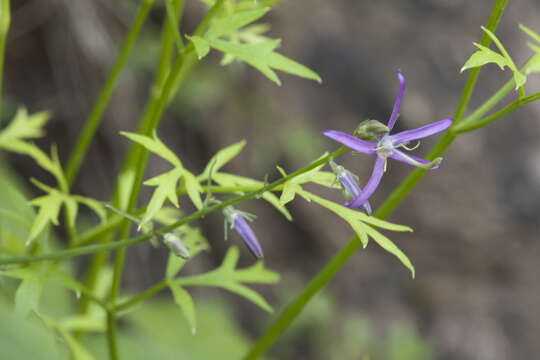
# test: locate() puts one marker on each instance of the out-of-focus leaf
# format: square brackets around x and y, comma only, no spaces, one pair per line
[230,23]
[154,144]
[260,55]
[28,293]
[77,350]
[87,323]
[166,189]
[185,302]
[24,126]
[49,208]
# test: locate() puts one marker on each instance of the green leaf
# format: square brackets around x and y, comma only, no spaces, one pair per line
[484,56]
[231,23]
[529,32]
[24,127]
[185,302]
[154,144]
[534,66]
[389,246]
[166,189]
[94,205]
[78,351]
[193,188]
[226,179]
[49,208]
[230,278]
[222,157]
[288,192]
[201,46]
[28,294]
[260,55]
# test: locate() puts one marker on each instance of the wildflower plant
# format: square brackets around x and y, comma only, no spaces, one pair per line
[36,260]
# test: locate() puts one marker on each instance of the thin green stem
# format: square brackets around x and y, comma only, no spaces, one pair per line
[94,119]
[172,18]
[142,296]
[5,20]
[497,115]
[337,262]
[92,249]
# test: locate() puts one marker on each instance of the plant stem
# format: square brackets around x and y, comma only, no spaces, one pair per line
[5,20]
[91,249]
[331,268]
[142,296]
[94,119]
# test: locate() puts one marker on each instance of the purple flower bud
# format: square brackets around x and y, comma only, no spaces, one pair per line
[176,245]
[349,184]
[237,219]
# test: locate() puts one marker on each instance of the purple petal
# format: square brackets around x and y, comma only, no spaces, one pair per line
[350,141]
[353,189]
[372,183]
[421,132]
[400,156]
[395,110]
[243,229]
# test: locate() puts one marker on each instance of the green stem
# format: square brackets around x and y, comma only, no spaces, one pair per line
[5,20]
[92,249]
[142,296]
[94,119]
[331,268]
[172,19]
[462,128]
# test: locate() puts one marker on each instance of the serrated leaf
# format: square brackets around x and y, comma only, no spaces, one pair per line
[222,157]
[49,208]
[193,188]
[230,23]
[230,278]
[484,56]
[154,144]
[185,302]
[28,294]
[389,246]
[261,56]
[166,189]
[24,126]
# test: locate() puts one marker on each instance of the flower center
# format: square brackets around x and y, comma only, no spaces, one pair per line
[385,146]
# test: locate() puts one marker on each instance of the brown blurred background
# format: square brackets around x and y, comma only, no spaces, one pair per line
[475,247]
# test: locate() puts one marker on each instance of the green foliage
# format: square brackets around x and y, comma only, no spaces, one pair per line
[363,224]
[222,157]
[484,55]
[229,278]
[535,61]
[166,183]
[254,50]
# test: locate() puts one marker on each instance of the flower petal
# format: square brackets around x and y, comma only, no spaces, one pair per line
[372,183]
[243,229]
[421,132]
[353,190]
[395,110]
[410,159]
[350,141]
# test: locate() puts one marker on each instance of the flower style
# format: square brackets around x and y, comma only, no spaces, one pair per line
[237,219]
[388,146]
[349,183]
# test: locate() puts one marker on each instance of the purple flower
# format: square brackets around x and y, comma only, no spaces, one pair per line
[237,219]
[389,146]
[349,183]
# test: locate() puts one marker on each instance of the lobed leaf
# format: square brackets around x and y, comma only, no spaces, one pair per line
[231,23]
[154,144]
[166,189]
[24,127]
[185,302]
[222,157]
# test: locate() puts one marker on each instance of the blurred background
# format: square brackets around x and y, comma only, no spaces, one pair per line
[475,247]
